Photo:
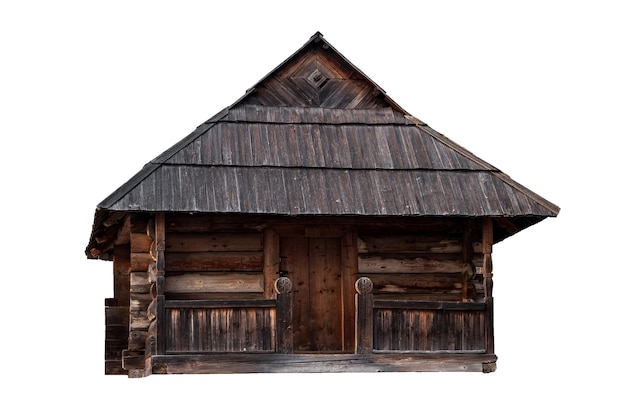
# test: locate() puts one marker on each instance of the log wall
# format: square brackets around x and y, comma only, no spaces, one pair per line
[422,266]
[205,264]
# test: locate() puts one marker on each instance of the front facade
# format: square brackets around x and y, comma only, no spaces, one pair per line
[312,226]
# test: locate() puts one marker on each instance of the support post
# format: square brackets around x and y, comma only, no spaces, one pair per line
[284,331]
[488,283]
[364,320]
[159,238]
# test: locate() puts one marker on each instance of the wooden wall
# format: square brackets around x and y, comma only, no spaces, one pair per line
[210,260]
[422,264]
[201,263]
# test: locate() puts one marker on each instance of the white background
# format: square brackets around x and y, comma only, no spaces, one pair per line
[91,91]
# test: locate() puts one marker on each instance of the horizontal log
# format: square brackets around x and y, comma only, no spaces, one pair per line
[428,305]
[221,363]
[179,222]
[215,296]
[415,282]
[397,264]
[137,339]
[140,303]
[139,320]
[430,295]
[214,282]
[409,243]
[138,278]
[140,261]
[214,261]
[260,303]
[221,242]
[140,242]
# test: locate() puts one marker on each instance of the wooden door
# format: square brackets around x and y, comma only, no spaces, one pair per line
[314,267]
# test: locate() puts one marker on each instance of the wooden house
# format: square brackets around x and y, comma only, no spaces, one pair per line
[312,226]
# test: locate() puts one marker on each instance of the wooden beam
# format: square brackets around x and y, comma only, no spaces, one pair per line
[258,362]
[284,313]
[364,320]
[349,274]
[488,282]
[159,234]
[271,261]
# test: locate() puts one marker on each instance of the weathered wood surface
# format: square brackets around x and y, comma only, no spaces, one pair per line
[215,282]
[214,261]
[397,264]
[364,317]
[217,242]
[314,266]
[271,261]
[409,243]
[245,329]
[429,330]
[224,363]
[283,288]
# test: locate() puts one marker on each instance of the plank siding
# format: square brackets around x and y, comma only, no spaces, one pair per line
[221,329]
[428,330]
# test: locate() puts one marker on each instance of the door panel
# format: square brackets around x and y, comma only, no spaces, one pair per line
[314,267]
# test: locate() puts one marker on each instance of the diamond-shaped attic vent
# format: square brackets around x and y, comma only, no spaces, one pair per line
[317,79]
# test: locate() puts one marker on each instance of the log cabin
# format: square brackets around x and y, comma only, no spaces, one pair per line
[312,226]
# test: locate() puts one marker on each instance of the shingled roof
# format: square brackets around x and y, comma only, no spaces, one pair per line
[316,136]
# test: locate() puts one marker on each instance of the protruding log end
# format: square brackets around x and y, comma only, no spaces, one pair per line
[282,285]
[489,367]
[364,285]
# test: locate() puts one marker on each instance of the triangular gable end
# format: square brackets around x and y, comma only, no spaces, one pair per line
[317,75]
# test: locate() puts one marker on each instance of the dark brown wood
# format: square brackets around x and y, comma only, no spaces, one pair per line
[215,282]
[364,317]
[224,363]
[316,175]
[161,326]
[488,283]
[214,242]
[214,261]
[206,304]
[349,275]
[220,329]
[271,261]
[428,305]
[284,314]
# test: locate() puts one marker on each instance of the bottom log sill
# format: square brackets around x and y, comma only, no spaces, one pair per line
[233,363]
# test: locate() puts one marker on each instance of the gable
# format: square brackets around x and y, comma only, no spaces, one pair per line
[317,75]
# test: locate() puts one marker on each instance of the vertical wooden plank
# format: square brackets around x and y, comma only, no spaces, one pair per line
[284,334]
[159,235]
[467,252]
[295,264]
[271,261]
[325,295]
[364,318]
[349,273]
[488,282]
